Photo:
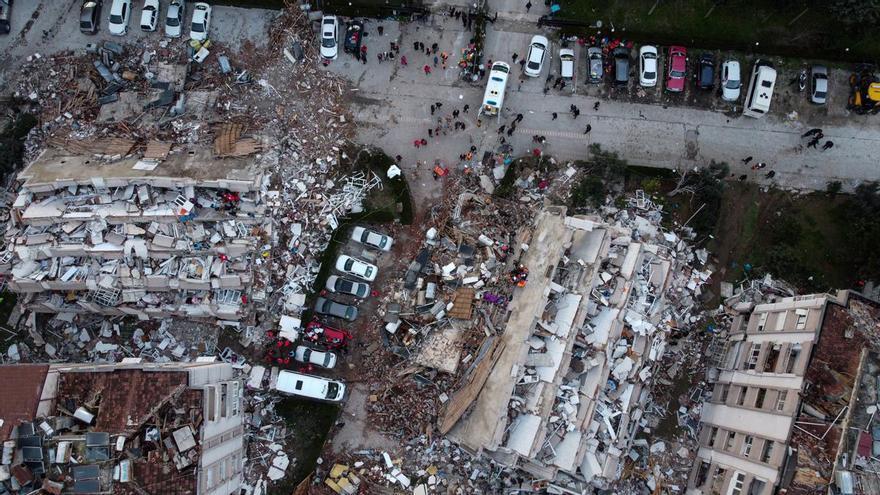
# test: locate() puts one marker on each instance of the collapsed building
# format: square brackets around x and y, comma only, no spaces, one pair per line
[158,234]
[561,389]
[125,428]
[795,391]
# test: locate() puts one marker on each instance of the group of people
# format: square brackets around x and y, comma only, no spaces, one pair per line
[815,136]
[445,123]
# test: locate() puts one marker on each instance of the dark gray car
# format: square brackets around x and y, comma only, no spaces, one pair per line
[621,65]
[333,308]
[89,16]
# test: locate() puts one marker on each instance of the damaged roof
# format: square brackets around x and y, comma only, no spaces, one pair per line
[22,387]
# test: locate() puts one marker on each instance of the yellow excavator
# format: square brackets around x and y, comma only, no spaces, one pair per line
[864,90]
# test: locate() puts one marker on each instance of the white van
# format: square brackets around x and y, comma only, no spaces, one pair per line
[493,98]
[760,93]
[310,387]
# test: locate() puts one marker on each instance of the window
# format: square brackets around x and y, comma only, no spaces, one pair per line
[780,400]
[299,385]
[767,451]
[713,432]
[702,474]
[780,321]
[731,436]
[772,358]
[236,398]
[736,485]
[747,445]
[759,398]
[725,391]
[801,319]
[756,487]
[211,401]
[741,400]
[793,355]
[762,322]
[752,363]
[224,400]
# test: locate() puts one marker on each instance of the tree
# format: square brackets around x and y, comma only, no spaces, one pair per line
[856,12]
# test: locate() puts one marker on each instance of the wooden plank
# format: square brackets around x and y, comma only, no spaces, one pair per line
[157,150]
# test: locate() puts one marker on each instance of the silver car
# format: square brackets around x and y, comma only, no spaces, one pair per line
[174,18]
[346,286]
[819,84]
[333,308]
[370,238]
[594,62]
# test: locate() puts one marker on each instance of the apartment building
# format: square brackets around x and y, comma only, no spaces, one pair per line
[747,424]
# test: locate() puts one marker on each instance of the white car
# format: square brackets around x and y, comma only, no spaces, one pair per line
[535,57]
[174,18]
[370,238]
[648,66]
[150,15]
[356,267]
[731,81]
[566,63]
[120,14]
[329,37]
[346,286]
[201,22]
[323,359]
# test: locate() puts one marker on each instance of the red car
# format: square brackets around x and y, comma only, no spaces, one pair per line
[676,68]
[329,337]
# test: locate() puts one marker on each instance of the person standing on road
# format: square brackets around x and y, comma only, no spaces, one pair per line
[501,129]
[554,116]
[416,45]
[455,114]
[435,60]
[588,129]
[746,160]
[522,64]
[403,60]
[466,108]
[812,132]
[427,69]
[528,6]
[813,142]
[515,56]
[432,109]
[519,117]
[827,146]
[596,106]
[770,174]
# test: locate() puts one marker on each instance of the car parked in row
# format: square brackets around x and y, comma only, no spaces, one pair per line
[174,18]
[371,238]
[536,55]
[648,66]
[90,16]
[341,285]
[150,15]
[621,65]
[595,64]
[353,37]
[201,22]
[818,84]
[308,355]
[311,387]
[353,266]
[566,63]
[120,14]
[706,72]
[676,69]
[332,308]
[329,37]
[731,80]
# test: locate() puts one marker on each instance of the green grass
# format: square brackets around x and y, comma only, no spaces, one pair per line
[732,25]
[309,422]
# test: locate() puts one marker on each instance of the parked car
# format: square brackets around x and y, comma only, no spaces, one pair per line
[120,13]
[370,238]
[5,16]
[333,308]
[818,84]
[621,65]
[174,18]
[356,267]
[312,387]
[536,55]
[329,37]
[706,74]
[353,37]
[201,22]
[150,15]
[566,63]
[595,64]
[731,80]
[304,354]
[341,285]
[648,66]
[90,16]
[326,336]
[676,69]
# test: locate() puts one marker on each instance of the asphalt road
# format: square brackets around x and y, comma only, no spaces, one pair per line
[392,104]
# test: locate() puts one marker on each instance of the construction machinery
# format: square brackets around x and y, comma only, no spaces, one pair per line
[864,86]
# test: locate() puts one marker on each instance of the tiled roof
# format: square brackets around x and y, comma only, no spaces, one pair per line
[21,385]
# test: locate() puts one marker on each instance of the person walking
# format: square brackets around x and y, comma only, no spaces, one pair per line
[416,45]
[811,132]
[424,142]
[515,56]
[364,58]
[403,60]
[432,109]
[554,116]
[746,160]
[417,143]
[528,6]
[466,108]
[813,142]
[827,146]
[522,64]
[501,129]
[770,174]
[511,130]
[427,69]
[596,106]
[434,48]
[455,114]
[439,104]
[588,129]
[435,60]
[519,117]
